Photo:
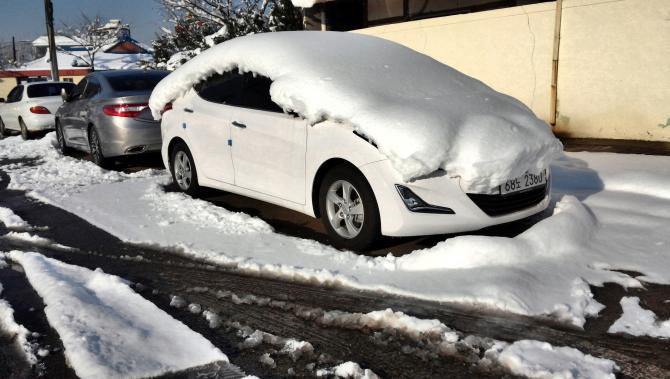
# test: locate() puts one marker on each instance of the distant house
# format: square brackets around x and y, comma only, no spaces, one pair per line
[123,52]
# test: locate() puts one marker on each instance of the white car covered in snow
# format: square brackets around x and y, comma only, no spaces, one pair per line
[31,107]
[370,136]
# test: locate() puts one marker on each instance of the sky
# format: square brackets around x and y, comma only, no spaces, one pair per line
[24,19]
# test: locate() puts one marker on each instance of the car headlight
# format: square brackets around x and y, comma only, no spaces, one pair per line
[415,204]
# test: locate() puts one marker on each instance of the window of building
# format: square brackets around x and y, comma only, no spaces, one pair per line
[385,9]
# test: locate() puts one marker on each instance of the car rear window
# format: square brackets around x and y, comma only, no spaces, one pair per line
[135,82]
[48,89]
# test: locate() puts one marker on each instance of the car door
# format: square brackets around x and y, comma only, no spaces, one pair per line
[10,116]
[268,145]
[70,115]
[207,122]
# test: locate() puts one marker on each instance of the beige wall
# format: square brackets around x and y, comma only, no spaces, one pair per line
[614,68]
[6,85]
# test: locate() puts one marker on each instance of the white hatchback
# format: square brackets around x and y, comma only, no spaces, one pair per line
[235,130]
[31,107]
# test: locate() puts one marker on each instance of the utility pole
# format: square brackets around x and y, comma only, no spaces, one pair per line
[49,15]
[13,49]
[553,110]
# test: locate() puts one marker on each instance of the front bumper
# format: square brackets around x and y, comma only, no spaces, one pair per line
[130,137]
[440,190]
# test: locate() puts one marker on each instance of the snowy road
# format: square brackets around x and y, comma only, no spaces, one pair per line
[287,309]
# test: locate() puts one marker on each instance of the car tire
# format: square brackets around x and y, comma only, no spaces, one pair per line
[2,129]
[95,148]
[60,139]
[349,225]
[182,167]
[25,133]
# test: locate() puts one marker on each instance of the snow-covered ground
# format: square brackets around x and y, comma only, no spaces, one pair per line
[610,212]
[107,329]
[11,220]
[17,331]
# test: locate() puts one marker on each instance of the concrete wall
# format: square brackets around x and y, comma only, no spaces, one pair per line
[614,68]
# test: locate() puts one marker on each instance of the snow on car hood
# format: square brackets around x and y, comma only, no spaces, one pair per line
[423,115]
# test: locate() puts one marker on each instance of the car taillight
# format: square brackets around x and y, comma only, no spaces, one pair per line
[167,107]
[124,110]
[39,110]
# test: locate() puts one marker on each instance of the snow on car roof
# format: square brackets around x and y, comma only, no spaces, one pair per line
[422,114]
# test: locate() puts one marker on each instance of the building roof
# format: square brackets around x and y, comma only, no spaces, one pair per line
[78,59]
[43,41]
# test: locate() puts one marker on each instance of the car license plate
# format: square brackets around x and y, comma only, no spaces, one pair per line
[525,181]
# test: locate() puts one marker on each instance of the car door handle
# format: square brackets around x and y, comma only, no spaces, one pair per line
[189,110]
[239,125]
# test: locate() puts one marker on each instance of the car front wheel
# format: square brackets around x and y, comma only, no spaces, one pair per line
[183,169]
[349,209]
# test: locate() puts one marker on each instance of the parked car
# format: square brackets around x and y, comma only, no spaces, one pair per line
[30,107]
[107,115]
[371,137]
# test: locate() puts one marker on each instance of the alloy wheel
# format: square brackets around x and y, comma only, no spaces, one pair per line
[182,170]
[345,209]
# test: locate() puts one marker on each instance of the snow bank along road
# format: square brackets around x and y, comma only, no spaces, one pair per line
[611,228]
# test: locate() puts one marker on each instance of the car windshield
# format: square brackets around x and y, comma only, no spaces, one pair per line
[135,82]
[48,89]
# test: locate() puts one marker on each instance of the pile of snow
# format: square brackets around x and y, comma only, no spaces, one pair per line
[9,326]
[288,346]
[410,326]
[108,330]
[422,114]
[11,220]
[638,321]
[35,240]
[349,369]
[534,359]
[307,3]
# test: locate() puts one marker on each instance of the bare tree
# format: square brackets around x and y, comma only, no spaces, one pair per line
[92,35]
[200,24]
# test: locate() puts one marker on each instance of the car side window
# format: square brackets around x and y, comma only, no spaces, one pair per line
[240,90]
[222,89]
[256,94]
[12,94]
[91,89]
[78,90]
[15,95]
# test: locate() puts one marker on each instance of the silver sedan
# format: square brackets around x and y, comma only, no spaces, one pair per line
[107,115]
